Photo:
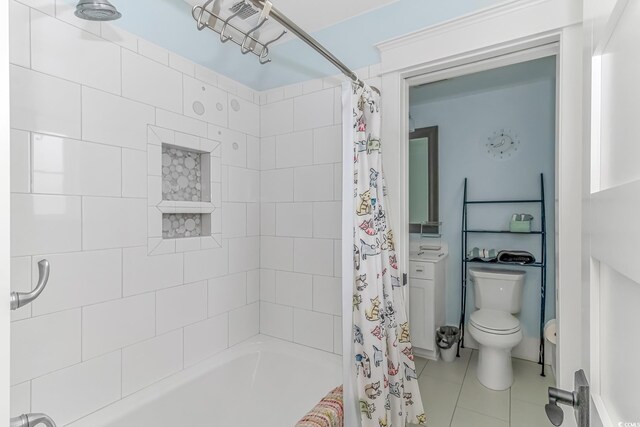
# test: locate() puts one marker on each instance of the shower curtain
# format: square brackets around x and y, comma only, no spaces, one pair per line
[386,379]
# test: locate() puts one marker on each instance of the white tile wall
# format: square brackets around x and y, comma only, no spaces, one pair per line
[76,391]
[20,161]
[180,306]
[244,254]
[276,118]
[276,253]
[294,149]
[276,185]
[116,324]
[19,36]
[65,51]
[153,51]
[313,110]
[20,402]
[314,256]
[276,320]
[234,219]
[148,362]
[294,219]
[142,273]
[244,116]
[109,222]
[203,265]
[46,104]
[113,323]
[134,173]
[267,285]
[313,329]
[213,102]
[59,333]
[227,293]
[294,289]
[327,220]
[147,81]
[72,167]
[114,120]
[300,218]
[327,295]
[313,183]
[54,224]
[244,323]
[327,145]
[79,279]
[206,338]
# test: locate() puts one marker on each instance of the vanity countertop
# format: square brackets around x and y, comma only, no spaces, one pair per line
[427,255]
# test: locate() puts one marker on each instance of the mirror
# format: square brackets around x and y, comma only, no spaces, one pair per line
[423,181]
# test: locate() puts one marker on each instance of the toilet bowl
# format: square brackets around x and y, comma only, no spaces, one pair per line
[498,296]
[497,333]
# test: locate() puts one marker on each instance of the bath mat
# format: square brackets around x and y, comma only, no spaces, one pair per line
[328,412]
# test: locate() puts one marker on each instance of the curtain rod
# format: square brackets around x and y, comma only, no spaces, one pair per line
[312,42]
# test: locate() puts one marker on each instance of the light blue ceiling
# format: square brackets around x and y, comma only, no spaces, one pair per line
[543,69]
[168,23]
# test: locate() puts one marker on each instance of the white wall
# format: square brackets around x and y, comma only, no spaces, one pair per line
[113,319]
[465,120]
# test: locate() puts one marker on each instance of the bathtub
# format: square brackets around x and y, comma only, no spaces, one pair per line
[262,382]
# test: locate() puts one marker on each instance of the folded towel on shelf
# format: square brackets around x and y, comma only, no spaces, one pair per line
[516,257]
[486,255]
[328,412]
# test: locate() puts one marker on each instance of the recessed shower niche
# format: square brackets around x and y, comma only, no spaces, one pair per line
[184,192]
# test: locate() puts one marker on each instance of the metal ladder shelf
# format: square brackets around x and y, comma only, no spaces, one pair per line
[542,264]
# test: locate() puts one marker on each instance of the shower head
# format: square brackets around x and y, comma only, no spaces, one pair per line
[97,10]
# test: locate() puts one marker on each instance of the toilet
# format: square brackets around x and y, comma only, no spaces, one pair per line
[498,296]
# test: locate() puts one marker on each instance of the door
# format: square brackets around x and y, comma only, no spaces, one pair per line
[611,267]
[4,215]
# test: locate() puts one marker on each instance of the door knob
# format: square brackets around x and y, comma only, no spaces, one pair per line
[578,400]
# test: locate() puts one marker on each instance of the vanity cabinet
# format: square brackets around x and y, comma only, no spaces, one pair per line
[426,303]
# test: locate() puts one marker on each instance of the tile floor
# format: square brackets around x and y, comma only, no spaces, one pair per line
[453,396]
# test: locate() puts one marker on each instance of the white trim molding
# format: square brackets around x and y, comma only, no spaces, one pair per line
[512,32]
[497,26]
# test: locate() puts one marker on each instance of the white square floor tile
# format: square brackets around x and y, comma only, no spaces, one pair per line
[525,414]
[478,398]
[466,418]
[528,385]
[439,398]
[454,371]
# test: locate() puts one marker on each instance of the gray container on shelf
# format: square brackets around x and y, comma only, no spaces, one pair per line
[447,340]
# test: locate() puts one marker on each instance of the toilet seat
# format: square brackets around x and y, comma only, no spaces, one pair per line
[495,322]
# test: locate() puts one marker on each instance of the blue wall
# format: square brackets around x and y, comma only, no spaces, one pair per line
[467,111]
[168,23]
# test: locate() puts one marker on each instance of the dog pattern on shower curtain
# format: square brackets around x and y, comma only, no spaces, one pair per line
[386,375]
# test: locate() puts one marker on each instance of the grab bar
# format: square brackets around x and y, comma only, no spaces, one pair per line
[20,299]
[32,420]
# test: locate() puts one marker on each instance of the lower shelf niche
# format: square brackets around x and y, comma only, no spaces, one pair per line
[181,225]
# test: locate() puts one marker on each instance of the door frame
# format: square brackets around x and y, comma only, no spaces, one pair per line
[459,46]
[5,224]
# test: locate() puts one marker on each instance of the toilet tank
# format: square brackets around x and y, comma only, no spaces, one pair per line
[498,289]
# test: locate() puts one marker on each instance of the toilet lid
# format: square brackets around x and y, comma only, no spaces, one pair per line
[493,321]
